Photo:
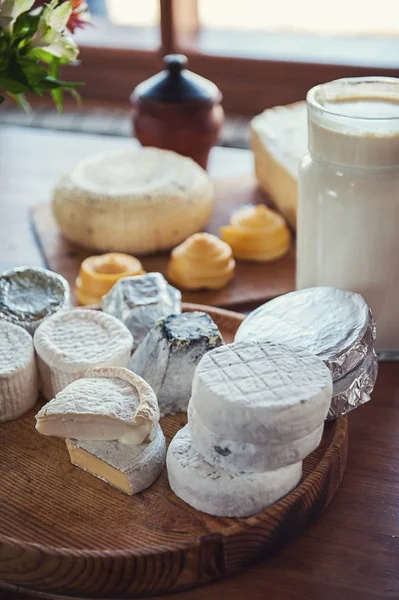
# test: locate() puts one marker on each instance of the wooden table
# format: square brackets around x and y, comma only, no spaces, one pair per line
[352,553]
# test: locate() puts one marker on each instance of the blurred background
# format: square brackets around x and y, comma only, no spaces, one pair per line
[260,53]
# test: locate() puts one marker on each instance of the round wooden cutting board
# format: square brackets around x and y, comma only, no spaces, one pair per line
[65,533]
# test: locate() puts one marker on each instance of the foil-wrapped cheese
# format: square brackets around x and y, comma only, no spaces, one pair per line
[336,325]
[28,295]
[140,301]
[355,388]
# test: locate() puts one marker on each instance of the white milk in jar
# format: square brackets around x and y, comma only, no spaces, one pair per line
[348,206]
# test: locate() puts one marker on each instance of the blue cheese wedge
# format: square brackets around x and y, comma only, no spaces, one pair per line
[169,354]
[107,404]
[219,492]
[19,387]
[248,457]
[140,301]
[261,393]
[71,342]
[129,469]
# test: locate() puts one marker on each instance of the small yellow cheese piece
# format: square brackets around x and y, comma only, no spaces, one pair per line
[98,274]
[202,261]
[257,233]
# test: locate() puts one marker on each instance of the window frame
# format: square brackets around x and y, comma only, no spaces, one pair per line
[249,85]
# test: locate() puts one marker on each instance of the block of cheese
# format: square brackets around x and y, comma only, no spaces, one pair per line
[140,301]
[71,342]
[224,493]
[279,140]
[19,387]
[233,455]
[130,469]
[109,403]
[169,354]
[261,392]
[136,200]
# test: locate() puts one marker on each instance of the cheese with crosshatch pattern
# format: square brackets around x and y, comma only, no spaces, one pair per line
[261,393]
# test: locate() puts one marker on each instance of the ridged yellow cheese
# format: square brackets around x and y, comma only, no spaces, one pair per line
[257,233]
[98,274]
[203,261]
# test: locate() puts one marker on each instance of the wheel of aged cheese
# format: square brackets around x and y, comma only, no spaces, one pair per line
[71,342]
[219,492]
[19,387]
[137,201]
[247,457]
[261,392]
[130,469]
[108,403]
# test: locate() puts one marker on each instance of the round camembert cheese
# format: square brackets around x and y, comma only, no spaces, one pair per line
[19,386]
[248,457]
[109,403]
[136,200]
[130,469]
[71,342]
[261,392]
[219,492]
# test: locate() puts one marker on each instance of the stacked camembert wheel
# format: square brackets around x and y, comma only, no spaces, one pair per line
[110,421]
[257,410]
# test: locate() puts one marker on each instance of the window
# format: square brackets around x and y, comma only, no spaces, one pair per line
[260,53]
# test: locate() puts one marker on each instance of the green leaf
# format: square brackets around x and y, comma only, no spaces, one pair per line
[58,97]
[75,94]
[2,99]
[13,84]
[21,100]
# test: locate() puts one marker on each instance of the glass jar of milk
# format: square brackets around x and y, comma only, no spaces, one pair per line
[348,207]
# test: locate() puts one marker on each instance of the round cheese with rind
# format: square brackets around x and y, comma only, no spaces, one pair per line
[71,342]
[261,392]
[224,493]
[110,403]
[136,200]
[19,382]
[233,455]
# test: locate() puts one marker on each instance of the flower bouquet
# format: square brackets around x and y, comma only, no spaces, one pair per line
[35,40]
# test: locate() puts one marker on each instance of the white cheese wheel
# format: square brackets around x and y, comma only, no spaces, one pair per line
[130,469]
[19,382]
[261,392]
[223,493]
[71,342]
[279,140]
[136,201]
[109,403]
[217,450]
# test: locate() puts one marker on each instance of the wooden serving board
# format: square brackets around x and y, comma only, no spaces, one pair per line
[252,285]
[65,533]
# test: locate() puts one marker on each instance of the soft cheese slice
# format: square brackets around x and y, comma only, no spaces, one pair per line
[130,469]
[135,200]
[19,386]
[233,455]
[279,140]
[224,493]
[107,404]
[169,354]
[261,392]
[71,342]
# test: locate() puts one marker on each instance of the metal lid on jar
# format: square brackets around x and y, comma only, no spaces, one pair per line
[336,325]
[30,294]
[355,388]
[176,84]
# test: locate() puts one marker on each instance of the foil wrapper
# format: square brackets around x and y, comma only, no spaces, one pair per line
[140,301]
[355,388]
[28,295]
[335,325]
